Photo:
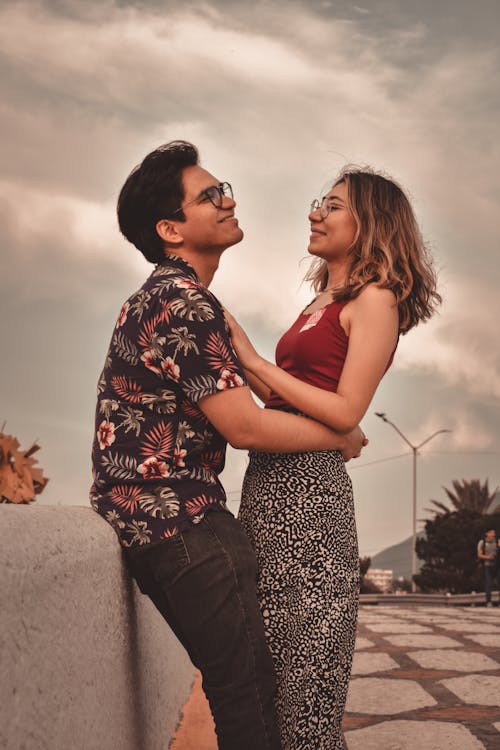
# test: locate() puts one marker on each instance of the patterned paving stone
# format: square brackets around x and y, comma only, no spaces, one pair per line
[446,648]
[439,620]
[409,707]
[372,662]
[422,641]
[455,613]
[486,639]
[413,735]
[460,661]
[433,621]
[404,615]
[428,616]
[492,617]
[374,615]
[362,643]
[458,712]
[398,627]
[485,618]
[478,689]
[380,696]
[371,615]
[471,627]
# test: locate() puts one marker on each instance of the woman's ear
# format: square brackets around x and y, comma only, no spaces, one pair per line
[168,232]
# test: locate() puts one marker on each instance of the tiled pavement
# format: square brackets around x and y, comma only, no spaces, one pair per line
[424,678]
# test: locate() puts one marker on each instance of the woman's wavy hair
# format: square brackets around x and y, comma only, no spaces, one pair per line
[388,248]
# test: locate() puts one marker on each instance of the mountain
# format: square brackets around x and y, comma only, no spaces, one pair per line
[397,558]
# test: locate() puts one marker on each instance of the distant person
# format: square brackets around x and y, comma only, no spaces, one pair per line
[373,281]
[171,394]
[487,553]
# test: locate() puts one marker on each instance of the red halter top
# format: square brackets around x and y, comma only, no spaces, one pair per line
[313,350]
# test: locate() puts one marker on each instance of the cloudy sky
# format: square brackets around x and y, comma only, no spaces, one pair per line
[278,96]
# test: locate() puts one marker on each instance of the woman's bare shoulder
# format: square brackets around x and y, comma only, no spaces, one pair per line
[374,295]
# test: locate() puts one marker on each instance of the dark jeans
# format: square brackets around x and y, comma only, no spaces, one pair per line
[491,577]
[203,583]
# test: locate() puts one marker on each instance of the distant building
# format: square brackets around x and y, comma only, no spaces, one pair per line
[381,578]
[398,558]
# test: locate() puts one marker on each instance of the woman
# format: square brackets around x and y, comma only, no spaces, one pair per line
[373,280]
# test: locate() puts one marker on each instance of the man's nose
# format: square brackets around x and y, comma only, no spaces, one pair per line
[228,202]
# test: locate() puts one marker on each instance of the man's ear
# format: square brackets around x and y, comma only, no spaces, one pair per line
[168,232]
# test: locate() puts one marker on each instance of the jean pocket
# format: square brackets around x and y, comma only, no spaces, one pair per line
[167,560]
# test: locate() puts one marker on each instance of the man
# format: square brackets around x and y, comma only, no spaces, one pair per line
[171,394]
[487,552]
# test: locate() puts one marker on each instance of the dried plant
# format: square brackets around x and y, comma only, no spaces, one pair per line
[20,480]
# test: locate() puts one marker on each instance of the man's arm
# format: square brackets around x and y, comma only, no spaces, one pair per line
[480,552]
[245,425]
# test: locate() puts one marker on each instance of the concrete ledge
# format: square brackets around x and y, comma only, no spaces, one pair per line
[87,662]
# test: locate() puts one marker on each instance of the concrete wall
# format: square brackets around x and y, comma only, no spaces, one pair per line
[86,661]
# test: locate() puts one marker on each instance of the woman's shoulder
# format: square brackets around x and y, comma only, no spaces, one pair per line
[371,299]
[374,294]
[374,305]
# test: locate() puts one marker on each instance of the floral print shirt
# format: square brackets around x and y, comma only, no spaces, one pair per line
[156,457]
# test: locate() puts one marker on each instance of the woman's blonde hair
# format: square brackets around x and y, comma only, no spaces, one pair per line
[388,248]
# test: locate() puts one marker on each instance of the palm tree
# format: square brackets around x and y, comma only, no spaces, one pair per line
[468,495]
[364,565]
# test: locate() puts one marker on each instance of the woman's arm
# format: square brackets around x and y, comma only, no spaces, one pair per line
[372,321]
[237,417]
[260,389]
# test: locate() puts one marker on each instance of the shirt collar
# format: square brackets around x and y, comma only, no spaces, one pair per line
[174,261]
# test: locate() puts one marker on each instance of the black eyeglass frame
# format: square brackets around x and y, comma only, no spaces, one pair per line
[220,190]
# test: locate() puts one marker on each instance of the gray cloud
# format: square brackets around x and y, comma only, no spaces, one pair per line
[278,96]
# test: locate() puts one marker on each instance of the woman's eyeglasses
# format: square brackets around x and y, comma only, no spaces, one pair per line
[324,207]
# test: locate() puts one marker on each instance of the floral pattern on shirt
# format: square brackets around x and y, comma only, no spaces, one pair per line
[156,458]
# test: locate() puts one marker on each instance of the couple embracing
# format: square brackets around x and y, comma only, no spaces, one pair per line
[265,605]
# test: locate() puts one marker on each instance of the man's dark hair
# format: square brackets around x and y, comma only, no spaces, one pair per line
[151,192]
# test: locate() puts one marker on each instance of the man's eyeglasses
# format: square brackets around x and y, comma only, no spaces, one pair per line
[214,194]
[324,207]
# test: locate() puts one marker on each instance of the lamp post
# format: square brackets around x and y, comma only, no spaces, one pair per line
[415,449]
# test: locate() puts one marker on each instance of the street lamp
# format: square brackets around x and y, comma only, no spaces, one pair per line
[415,449]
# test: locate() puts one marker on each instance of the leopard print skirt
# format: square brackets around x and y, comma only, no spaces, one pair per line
[298,510]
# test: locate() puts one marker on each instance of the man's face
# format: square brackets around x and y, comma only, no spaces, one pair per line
[490,536]
[207,228]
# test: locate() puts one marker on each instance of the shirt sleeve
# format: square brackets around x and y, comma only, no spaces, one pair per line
[194,348]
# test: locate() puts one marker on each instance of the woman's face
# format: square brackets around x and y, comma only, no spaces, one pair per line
[332,237]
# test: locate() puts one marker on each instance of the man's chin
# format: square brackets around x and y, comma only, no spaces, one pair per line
[238,234]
